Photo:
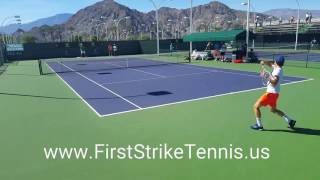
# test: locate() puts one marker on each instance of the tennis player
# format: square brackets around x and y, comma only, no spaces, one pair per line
[271,96]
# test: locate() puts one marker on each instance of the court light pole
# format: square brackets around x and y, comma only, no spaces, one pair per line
[297,29]
[117,25]
[247,29]
[156,7]
[8,18]
[157,21]
[174,27]
[96,27]
[141,30]
[106,26]
[254,13]
[191,25]
[151,31]
[12,21]
[212,23]
[16,17]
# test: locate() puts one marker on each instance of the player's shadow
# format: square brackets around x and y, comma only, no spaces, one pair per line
[298,130]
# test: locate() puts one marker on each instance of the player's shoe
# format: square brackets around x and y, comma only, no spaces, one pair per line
[292,123]
[256,127]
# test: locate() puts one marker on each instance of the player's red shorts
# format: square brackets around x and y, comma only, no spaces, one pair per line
[269,99]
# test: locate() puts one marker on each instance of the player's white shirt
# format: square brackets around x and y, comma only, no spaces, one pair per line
[277,71]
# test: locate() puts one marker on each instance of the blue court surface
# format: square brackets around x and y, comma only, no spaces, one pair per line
[119,90]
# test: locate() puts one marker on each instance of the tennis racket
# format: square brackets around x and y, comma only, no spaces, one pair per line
[265,76]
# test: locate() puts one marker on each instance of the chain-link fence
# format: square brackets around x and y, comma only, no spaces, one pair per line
[2,58]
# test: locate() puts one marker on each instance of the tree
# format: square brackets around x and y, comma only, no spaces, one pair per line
[45,32]
[132,37]
[77,38]
[145,37]
[94,38]
[70,30]
[56,33]
[29,39]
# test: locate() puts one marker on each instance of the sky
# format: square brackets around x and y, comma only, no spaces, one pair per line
[31,10]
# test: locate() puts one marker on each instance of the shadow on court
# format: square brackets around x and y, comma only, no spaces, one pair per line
[37,96]
[16,74]
[297,130]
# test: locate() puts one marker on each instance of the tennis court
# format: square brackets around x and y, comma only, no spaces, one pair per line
[119,85]
[42,111]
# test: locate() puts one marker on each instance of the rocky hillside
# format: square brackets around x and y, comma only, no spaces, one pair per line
[100,20]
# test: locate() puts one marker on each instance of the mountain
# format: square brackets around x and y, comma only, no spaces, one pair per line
[86,20]
[286,13]
[53,20]
[101,20]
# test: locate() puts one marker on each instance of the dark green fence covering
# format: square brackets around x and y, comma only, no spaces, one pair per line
[72,49]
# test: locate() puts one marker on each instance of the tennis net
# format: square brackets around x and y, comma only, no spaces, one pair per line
[304,55]
[80,64]
[287,51]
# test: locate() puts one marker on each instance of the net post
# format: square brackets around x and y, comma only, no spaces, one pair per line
[127,63]
[273,57]
[307,60]
[308,54]
[40,67]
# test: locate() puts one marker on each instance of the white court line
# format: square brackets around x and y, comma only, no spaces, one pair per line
[168,104]
[102,86]
[202,98]
[146,72]
[83,100]
[167,77]
[130,81]
[222,69]
[242,73]
[206,71]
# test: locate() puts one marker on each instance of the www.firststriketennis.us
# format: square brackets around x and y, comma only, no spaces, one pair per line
[161,152]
